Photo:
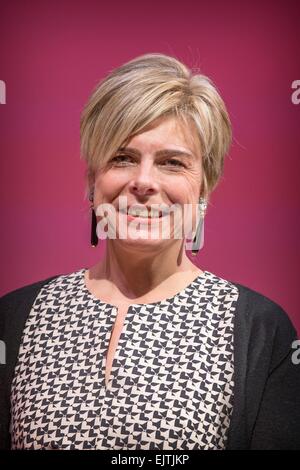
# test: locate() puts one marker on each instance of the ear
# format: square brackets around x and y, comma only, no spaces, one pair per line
[204,193]
[91,182]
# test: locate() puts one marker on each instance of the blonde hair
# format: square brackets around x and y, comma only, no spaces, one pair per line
[148,87]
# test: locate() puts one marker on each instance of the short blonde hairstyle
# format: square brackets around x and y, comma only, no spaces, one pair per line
[148,87]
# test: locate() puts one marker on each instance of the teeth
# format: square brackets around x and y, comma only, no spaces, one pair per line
[143,212]
[155,212]
[138,212]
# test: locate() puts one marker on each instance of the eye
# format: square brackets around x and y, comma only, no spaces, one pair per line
[120,159]
[175,162]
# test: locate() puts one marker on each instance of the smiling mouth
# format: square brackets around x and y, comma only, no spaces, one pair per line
[144,214]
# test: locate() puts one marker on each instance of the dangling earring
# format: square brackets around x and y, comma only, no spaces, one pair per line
[94,237]
[198,240]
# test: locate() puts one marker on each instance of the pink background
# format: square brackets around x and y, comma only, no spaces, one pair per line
[54,53]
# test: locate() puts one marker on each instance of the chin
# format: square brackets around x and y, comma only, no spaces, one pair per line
[141,243]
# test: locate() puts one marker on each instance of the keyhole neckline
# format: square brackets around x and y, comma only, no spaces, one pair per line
[200,278]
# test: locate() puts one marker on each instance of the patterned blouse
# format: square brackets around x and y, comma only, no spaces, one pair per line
[171,382]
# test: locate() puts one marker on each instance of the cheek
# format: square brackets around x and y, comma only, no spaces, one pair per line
[108,187]
[187,189]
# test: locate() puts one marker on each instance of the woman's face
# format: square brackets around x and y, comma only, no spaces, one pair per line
[160,165]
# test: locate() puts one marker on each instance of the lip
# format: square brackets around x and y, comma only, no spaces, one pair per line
[125,210]
[133,217]
[143,220]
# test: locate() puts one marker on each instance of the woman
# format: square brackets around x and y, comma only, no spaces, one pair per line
[145,350]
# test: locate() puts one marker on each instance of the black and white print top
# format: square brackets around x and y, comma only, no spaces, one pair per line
[171,382]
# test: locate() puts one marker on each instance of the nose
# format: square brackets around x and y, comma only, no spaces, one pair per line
[143,181]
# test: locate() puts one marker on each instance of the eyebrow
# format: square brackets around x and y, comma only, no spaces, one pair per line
[159,153]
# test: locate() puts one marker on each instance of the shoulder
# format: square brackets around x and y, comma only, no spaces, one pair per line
[15,307]
[16,304]
[252,304]
[27,291]
[258,307]
[260,323]
[19,301]
[263,324]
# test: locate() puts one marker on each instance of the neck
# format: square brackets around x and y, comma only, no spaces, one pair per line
[136,272]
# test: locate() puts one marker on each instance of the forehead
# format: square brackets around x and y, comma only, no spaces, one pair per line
[167,132]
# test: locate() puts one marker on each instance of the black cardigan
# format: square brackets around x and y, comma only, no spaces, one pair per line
[266,406]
